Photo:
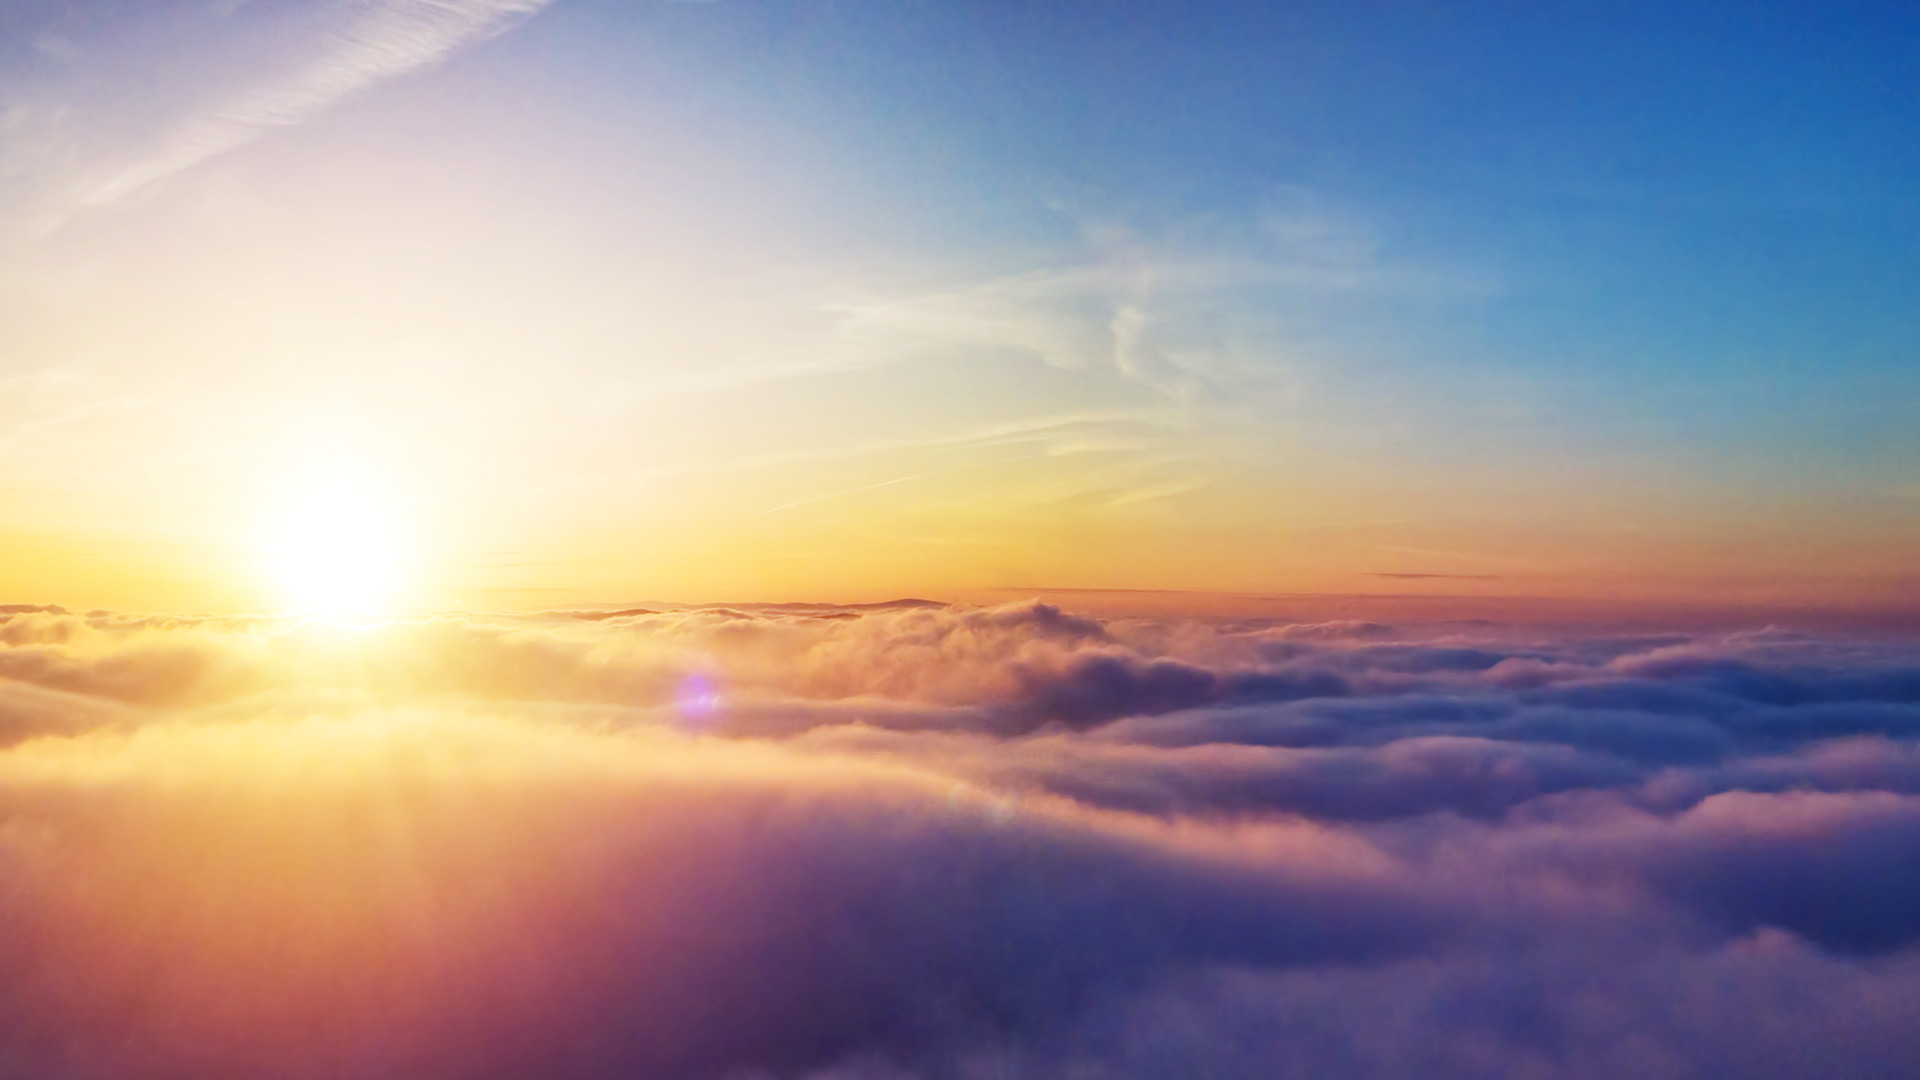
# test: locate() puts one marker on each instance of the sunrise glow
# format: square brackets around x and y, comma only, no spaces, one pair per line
[959,540]
[333,548]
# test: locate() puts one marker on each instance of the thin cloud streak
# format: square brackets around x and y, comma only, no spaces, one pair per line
[380,41]
[897,480]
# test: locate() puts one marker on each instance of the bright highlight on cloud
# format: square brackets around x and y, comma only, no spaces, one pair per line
[918,840]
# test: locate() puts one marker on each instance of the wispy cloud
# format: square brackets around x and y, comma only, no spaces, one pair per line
[1053,435]
[963,466]
[1446,577]
[1193,318]
[369,43]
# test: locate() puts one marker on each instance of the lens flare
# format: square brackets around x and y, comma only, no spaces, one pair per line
[698,702]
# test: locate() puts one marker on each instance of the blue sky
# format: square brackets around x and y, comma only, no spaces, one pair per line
[1691,225]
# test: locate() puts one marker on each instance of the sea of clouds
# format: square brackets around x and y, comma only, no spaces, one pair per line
[916,840]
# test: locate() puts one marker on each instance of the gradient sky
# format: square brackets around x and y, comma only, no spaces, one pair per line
[603,301]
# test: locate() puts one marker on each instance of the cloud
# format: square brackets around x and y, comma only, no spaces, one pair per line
[919,840]
[374,41]
[210,78]
[692,908]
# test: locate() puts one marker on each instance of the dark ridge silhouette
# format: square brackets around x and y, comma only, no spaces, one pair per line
[596,616]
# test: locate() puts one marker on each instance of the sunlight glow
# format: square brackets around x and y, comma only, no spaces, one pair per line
[334,548]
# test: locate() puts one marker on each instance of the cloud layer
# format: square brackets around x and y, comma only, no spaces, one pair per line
[918,840]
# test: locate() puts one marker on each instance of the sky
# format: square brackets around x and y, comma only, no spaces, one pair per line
[893,540]
[528,304]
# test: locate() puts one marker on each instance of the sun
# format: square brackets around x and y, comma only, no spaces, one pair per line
[334,547]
